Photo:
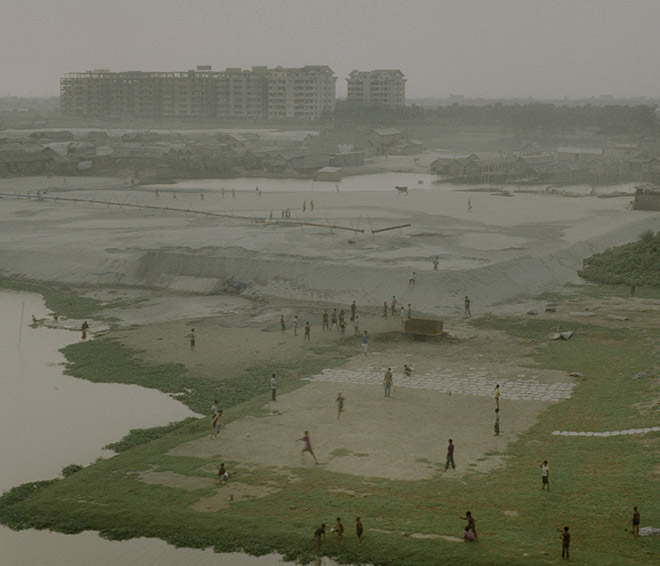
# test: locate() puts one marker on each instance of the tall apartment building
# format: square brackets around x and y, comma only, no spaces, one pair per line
[382,86]
[257,94]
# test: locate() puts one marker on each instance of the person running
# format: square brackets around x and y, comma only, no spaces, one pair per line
[545,475]
[471,523]
[565,543]
[359,529]
[635,522]
[308,446]
[191,335]
[450,456]
[282,324]
[467,307]
[387,382]
[308,329]
[497,422]
[319,537]
[273,387]
[339,529]
[365,342]
[340,404]
[326,320]
[497,396]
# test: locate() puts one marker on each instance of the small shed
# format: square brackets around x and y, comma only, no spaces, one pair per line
[647,197]
[329,174]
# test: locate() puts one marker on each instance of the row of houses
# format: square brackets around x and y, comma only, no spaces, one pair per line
[566,165]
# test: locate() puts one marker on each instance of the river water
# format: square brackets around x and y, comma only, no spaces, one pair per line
[49,420]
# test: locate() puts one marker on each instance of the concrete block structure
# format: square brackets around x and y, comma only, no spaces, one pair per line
[382,86]
[303,93]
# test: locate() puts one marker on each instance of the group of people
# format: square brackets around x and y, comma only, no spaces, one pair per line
[318,539]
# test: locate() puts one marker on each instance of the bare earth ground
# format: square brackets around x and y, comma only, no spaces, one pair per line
[503,254]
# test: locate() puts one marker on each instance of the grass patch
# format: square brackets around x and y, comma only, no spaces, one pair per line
[594,481]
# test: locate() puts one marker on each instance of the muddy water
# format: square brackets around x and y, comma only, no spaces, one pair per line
[49,420]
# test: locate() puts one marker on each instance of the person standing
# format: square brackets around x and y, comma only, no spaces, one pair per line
[394,301]
[450,456]
[565,543]
[308,446]
[326,323]
[295,325]
[333,319]
[339,529]
[311,205]
[353,311]
[469,206]
[635,522]
[356,326]
[411,279]
[497,396]
[497,422]
[359,529]
[84,328]
[436,262]
[273,387]
[387,382]
[217,423]
[545,475]
[304,206]
[402,315]
[214,413]
[191,335]
[308,329]
[365,342]
[340,404]
[282,324]
[467,307]
[342,329]
[409,314]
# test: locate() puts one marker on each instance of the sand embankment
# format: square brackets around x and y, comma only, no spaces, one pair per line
[505,250]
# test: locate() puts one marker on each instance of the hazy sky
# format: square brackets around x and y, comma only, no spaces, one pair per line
[488,48]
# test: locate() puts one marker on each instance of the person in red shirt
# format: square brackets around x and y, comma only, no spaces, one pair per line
[308,446]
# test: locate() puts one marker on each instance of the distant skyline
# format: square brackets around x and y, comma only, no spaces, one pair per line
[476,48]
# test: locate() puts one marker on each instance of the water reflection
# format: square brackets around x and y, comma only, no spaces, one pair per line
[49,420]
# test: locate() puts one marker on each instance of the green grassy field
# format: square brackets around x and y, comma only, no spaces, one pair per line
[594,481]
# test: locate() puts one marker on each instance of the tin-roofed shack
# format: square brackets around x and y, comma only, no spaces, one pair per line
[647,197]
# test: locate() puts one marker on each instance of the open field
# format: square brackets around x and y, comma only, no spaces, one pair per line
[145,279]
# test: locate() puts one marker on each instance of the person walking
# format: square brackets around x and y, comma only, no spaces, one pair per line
[387,382]
[359,529]
[308,446]
[468,314]
[308,329]
[217,423]
[340,404]
[273,387]
[365,342]
[565,543]
[545,475]
[450,456]
[471,523]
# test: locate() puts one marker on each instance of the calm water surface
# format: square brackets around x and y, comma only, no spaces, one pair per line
[49,420]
